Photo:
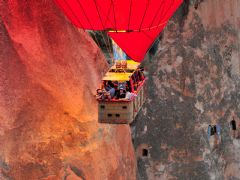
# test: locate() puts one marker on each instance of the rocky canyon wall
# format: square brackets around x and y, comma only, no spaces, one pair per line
[195,81]
[49,71]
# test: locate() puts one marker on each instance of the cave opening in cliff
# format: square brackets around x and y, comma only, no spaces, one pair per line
[144,152]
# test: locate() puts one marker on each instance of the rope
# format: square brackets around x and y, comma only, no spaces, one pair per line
[114,16]
[166,11]
[101,33]
[73,13]
[149,37]
[109,52]
[110,49]
[109,10]
[130,12]
[81,23]
[115,23]
[99,13]
[95,37]
[113,61]
[84,13]
[161,12]
[156,14]
[144,15]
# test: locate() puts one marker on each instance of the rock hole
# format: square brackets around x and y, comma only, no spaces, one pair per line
[144,152]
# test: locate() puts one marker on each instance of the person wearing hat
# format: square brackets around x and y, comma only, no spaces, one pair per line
[122,93]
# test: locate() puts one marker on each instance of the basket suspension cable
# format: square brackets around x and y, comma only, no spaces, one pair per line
[129,17]
[114,16]
[110,48]
[95,37]
[114,46]
[113,60]
[81,23]
[165,12]
[106,15]
[162,13]
[144,15]
[106,44]
[85,14]
[108,40]
[149,37]
[156,14]
[99,14]
[109,52]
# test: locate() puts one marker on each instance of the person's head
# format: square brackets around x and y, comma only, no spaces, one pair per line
[99,91]
[110,83]
[121,90]
[115,83]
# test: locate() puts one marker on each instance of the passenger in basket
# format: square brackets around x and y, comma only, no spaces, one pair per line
[109,87]
[121,94]
[102,95]
[129,95]
[99,95]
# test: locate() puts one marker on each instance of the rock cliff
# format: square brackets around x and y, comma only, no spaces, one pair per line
[49,71]
[195,81]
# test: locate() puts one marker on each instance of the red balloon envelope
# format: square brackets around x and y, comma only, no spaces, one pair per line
[132,24]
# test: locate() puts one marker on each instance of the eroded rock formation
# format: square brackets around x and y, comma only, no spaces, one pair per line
[49,71]
[195,81]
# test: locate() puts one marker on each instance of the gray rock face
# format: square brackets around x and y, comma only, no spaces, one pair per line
[195,81]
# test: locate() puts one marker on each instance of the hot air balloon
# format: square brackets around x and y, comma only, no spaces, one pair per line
[133,25]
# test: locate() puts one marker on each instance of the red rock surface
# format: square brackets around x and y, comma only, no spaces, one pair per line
[48,115]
